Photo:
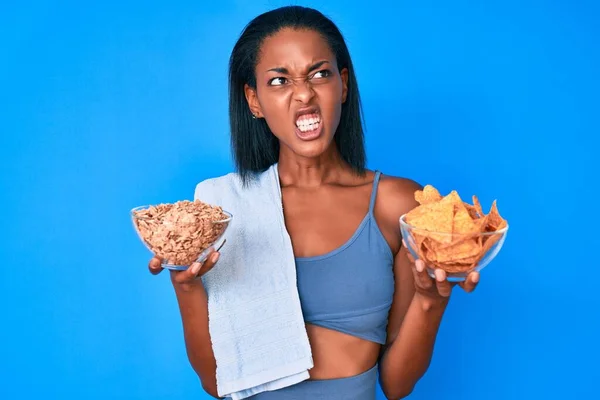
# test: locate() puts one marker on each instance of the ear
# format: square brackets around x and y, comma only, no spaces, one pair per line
[344,75]
[252,100]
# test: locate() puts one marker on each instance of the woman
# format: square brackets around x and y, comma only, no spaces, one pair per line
[294,101]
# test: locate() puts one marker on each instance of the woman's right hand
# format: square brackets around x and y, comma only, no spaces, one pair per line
[189,279]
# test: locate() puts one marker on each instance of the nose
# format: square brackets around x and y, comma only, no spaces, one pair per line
[303,91]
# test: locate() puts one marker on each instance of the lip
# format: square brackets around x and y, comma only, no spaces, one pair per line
[304,111]
[308,136]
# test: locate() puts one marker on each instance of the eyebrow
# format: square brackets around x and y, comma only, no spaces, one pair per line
[313,67]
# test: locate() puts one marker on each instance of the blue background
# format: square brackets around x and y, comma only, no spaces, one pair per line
[108,106]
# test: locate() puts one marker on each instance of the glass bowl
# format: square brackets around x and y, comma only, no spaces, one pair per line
[179,244]
[457,254]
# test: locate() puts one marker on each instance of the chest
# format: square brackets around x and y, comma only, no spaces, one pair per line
[321,220]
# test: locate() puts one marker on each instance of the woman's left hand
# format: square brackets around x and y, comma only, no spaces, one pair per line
[438,288]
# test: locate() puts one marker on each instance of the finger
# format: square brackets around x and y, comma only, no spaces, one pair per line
[415,273]
[211,262]
[443,286]
[408,253]
[187,275]
[471,282]
[155,266]
[196,269]
[422,279]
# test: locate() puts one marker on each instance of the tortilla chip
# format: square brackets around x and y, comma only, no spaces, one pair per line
[469,260]
[433,221]
[451,198]
[477,206]
[462,223]
[428,195]
[456,268]
[495,221]
[489,242]
[428,251]
[473,213]
[414,241]
[416,213]
[466,248]
[481,223]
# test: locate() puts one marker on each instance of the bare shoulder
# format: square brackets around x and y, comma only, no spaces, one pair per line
[397,195]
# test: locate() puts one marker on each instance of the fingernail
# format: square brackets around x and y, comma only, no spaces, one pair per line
[439,275]
[475,278]
[196,267]
[215,257]
[419,265]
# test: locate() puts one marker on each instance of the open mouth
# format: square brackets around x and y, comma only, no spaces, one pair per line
[307,123]
[308,126]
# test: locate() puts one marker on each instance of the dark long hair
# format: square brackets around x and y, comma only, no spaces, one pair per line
[254,146]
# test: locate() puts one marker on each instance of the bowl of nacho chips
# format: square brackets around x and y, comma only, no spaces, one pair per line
[450,234]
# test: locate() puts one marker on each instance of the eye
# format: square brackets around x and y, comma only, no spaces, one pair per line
[277,81]
[324,73]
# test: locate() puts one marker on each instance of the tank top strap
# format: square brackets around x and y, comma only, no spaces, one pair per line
[374,191]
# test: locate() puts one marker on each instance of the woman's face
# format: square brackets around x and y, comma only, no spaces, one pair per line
[299,91]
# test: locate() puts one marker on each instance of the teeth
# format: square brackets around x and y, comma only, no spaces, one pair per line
[308,127]
[307,122]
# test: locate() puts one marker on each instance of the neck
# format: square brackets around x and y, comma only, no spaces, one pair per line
[295,170]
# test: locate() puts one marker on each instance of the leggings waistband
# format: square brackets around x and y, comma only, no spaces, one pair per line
[357,387]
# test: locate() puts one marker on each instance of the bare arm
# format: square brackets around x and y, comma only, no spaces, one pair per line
[418,306]
[414,323]
[193,307]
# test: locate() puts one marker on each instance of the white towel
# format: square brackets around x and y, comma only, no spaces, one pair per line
[255,320]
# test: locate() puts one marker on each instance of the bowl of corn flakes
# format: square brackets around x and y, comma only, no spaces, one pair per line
[450,234]
[181,233]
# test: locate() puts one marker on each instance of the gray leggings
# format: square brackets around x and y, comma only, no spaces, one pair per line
[358,387]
